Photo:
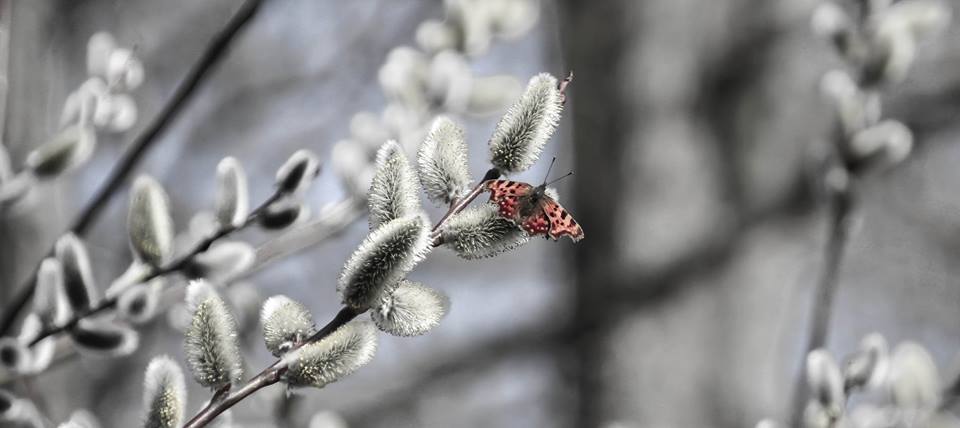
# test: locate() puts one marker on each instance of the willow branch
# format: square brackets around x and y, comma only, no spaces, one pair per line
[841,209]
[178,265]
[269,376]
[274,373]
[214,53]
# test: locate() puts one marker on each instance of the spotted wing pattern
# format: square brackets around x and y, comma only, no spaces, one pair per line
[549,219]
[506,194]
[561,222]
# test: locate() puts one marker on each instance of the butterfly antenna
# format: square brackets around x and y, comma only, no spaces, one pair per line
[548,170]
[559,178]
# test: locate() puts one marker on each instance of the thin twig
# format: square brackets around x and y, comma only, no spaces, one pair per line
[462,204]
[274,373]
[841,209]
[270,375]
[212,55]
[180,264]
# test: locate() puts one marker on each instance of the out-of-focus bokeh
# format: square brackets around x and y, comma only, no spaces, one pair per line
[691,127]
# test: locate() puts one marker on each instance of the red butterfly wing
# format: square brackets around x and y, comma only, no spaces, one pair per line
[561,222]
[506,194]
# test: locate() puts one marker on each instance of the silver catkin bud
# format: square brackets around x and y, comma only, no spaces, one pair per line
[868,364]
[19,412]
[213,353]
[149,224]
[480,232]
[442,162]
[286,323]
[394,192]
[914,378]
[14,355]
[47,296]
[40,354]
[283,213]
[104,338]
[410,310]
[330,359]
[222,261]
[826,382]
[78,284]
[523,131]
[382,260]
[295,175]
[327,419]
[67,150]
[164,394]
[138,303]
[233,198]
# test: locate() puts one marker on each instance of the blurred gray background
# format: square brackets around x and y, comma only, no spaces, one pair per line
[689,127]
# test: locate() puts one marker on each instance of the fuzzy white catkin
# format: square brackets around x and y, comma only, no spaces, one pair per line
[829,20]
[825,381]
[285,324]
[817,416]
[138,303]
[233,200]
[149,224]
[283,213]
[855,109]
[511,18]
[99,47]
[402,76]
[869,364]
[435,36]
[14,355]
[40,354]
[895,49]
[123,113]
[332,358]
[479,232]
[296,174]
[885,144]
[78,283]
[124,70]
[68,149]
[382,260]
[47,300]
[442,162]
[327,419]
[103,338]
[450,80]
[210,342]
[223,260]
[923,18]
[914,378]
[394,192]
[164,394]
[523,131]
[410,310]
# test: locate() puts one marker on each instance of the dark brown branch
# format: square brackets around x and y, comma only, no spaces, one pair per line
[179,265]
[841,209]
[212,55]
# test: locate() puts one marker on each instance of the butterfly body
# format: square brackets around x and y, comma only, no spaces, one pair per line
[533,209]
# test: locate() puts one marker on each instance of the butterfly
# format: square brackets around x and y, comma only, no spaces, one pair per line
[533,209]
